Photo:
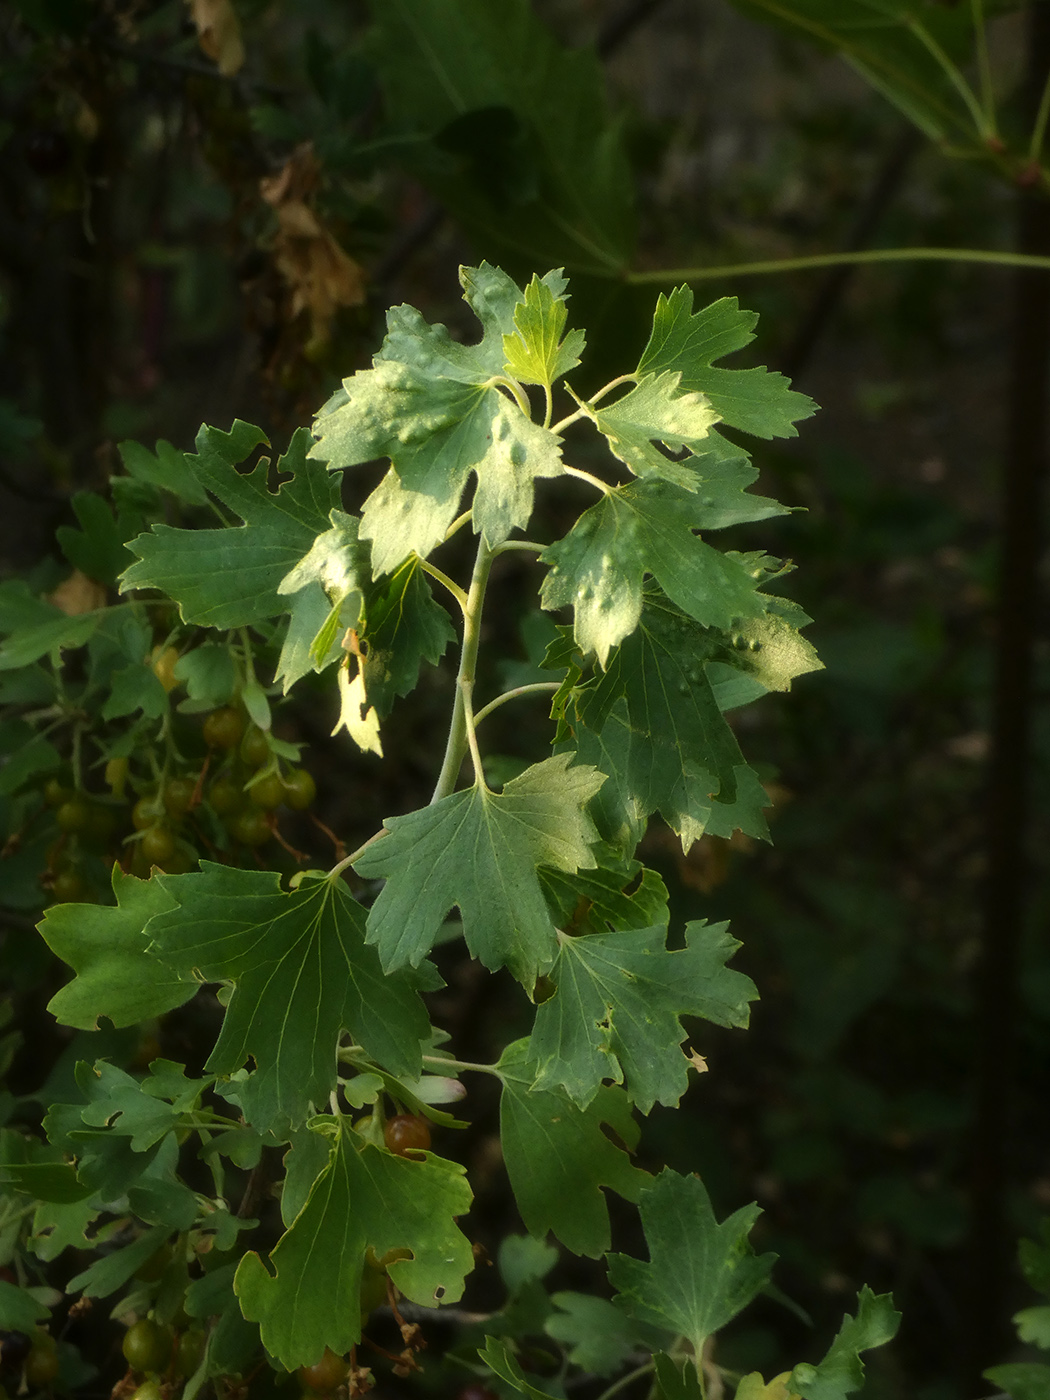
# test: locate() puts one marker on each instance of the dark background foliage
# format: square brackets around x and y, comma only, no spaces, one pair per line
[186,237]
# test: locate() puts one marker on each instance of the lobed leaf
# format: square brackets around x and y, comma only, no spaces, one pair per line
[364,1199]
[614,1013]
[700,1273]
[480,851]
[302,974]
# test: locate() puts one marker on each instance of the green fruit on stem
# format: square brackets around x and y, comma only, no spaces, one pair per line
[158,845]
[324,1375]
[41,1366]
[178,796]
[147,1345]
[268,792]
[190,1351]
[255,748]
[225,795]
[299,789]
[223,728]
[69,887]
[148,1390]
[74,815]
[251,827]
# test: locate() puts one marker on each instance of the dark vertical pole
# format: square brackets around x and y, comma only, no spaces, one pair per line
[1009,796]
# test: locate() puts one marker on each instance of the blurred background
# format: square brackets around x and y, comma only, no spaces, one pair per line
[205,209]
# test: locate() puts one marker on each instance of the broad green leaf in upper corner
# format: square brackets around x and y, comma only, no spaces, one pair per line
[428,404]
[524,149]
[645,527]
[229,577]
[403,627]
[842,1371]
[615,1011]
[107,947]
[657,409]
[754,400]
[303,974]
[480,850]
[536,352]
[365,1199]
[559,1158]
[700,1273]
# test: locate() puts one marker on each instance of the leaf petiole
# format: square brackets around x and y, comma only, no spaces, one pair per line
[441,1062]
[533,689]
[449,583]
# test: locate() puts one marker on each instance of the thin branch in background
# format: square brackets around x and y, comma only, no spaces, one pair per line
[869,216]
[1008,883]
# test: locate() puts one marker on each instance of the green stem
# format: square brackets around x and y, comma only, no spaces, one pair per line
[612,384]
[571,418]
[342,865]
[984,67]
[461,725]
[533,689]
[954,76]
[626,1380]
[457,524]
[595,481]
[1035,148]
[845,259]
[443,578]
[549,409]
[448,1063]
[503,381]
[509,545]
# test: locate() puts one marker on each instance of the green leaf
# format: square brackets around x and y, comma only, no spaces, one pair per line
[558,1157]
[403,627]
[310,611]
[106,947]
[429,406]
[593,1332]
[614,894]
[660,724]
[302,974]
[229,577]
[19,1310]
[144,1110]
[525,151]
[336,560]
[842,1371]
[110,1272]
[60,632]
[135,688]
[480,850]
[536,352]
[209,674]
[770,649]
[645,528]
[753,400]
[1021,1380]
[98,548]
[700,1274]
[615,1012]
[1033,1326]
[881,40]
[168,468]
[497,1356]
[366,1198]
[657,410]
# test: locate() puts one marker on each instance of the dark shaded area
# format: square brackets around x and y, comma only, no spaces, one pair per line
[887,1107]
